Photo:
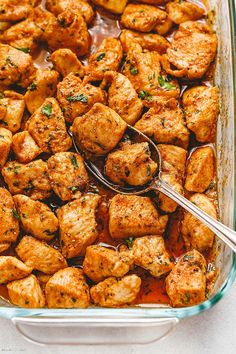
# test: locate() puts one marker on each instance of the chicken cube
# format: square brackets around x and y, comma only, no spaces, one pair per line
[67,174]
[173,160]
[133,216]
[81,6]
[117,7]
[12,108]
[12,268]
[200,169]
[65,62]
[164,27]
[24,147]
[165,203]
[184,11]
[5,145]
[78,226]
[15,10]
[40,256]
[99,130]
[114,292]
[186,283]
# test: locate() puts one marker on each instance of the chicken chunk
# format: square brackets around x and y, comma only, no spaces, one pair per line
[173,160]
[197,235]
[65,62]
[114,292]
[40,256]
[12,108]
[186,283]
[30,179]
[67,289]
[5,145]
[201,106]
[81,6]
[9,230]
[164,27]
[12,268]
[200,170]
[36,217]
[167,204]
[48,129]
[165,124]
[15,10]
[26,292]
[192,51]
[67,174]
[99,130]
[131,164]
[117,7]
[101,262]
[134,216]
[43,86]
[184,11]
[154,2]
[78,226]
[76,98]
[24,147]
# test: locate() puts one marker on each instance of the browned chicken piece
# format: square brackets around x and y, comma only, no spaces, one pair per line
[15,66]
[77,98]
[30,179]
[67,289]
[81,6]
[107,57]
[164,27]
[40,256]
[201,107]
[9,230]
[122,97]
[154,2]
[133,216]
[43,86]
[65,62]
[15,10]
[24,147]
[4,26]
[41,18]
[184,11]
[78,226]
[99,130]
[36,217]
[48,129]
[26,292]
[166,204]
[192,51]
[114,292]
[186,283]
[12,108]
[150,253]
[173,160]
[12,268]
[5,145]
[102,262]
[67,174]
[131,164]
[114,6]
[165,124]
[197,235]
[200,170]
[143,18]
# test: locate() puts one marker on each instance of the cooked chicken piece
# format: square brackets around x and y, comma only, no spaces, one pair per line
[99,130]
[186,283]
[5,145]
[141,17]
[15,10]
[106,58]
[183,11]
[4,26]
[24,147]
[122,97]
[43,86]
[36,217]
[131,215]
[77,98]
[15,66]
[165,124]
[26,292]
[9,230]
[166,204]
[80,6]
[164,27]
[150,253]
[114,292]
[192,51]
[67,174]
[42,18]
[65,62]
[78,226]
[12,268]
[67,289]
[200,169]
[173,160]
[201,106]
[30,179]
[196,234]
[48,129]
[154,2]
[114,6]
[12,108]
[40,256]
[101,262]
[131,164]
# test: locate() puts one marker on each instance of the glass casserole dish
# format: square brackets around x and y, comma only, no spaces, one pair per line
[48,326]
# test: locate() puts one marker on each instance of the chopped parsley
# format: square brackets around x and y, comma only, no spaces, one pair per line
[129,242]
[100,56]
[15,214]
[32,87]
[80,98]
[133,70]
[187,298]
[148,170]
[187,257]
[25,50]
[145,95]
[73,189]
[16,168]
[47,110]
[163,82]
[10,63]
[74,161]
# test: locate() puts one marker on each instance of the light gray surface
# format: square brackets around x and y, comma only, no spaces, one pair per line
[213,332]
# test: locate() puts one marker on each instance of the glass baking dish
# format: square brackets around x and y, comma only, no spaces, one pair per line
[152,321]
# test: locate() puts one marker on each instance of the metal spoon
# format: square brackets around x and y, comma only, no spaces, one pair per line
[157,184]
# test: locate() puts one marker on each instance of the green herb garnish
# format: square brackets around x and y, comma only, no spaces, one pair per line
[74,161]
[163,82]
[148,170]
[187,257]
[100,56]
[133,70]
[80,98]
[145,95]
[16,168]
[15,214]
[47,110]
[25,50]
[10,63]
[73,189]
[129,242]
[32,87]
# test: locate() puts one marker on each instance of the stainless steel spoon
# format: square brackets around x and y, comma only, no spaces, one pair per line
[157,184]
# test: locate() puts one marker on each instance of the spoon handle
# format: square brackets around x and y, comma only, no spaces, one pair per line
[223,232]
